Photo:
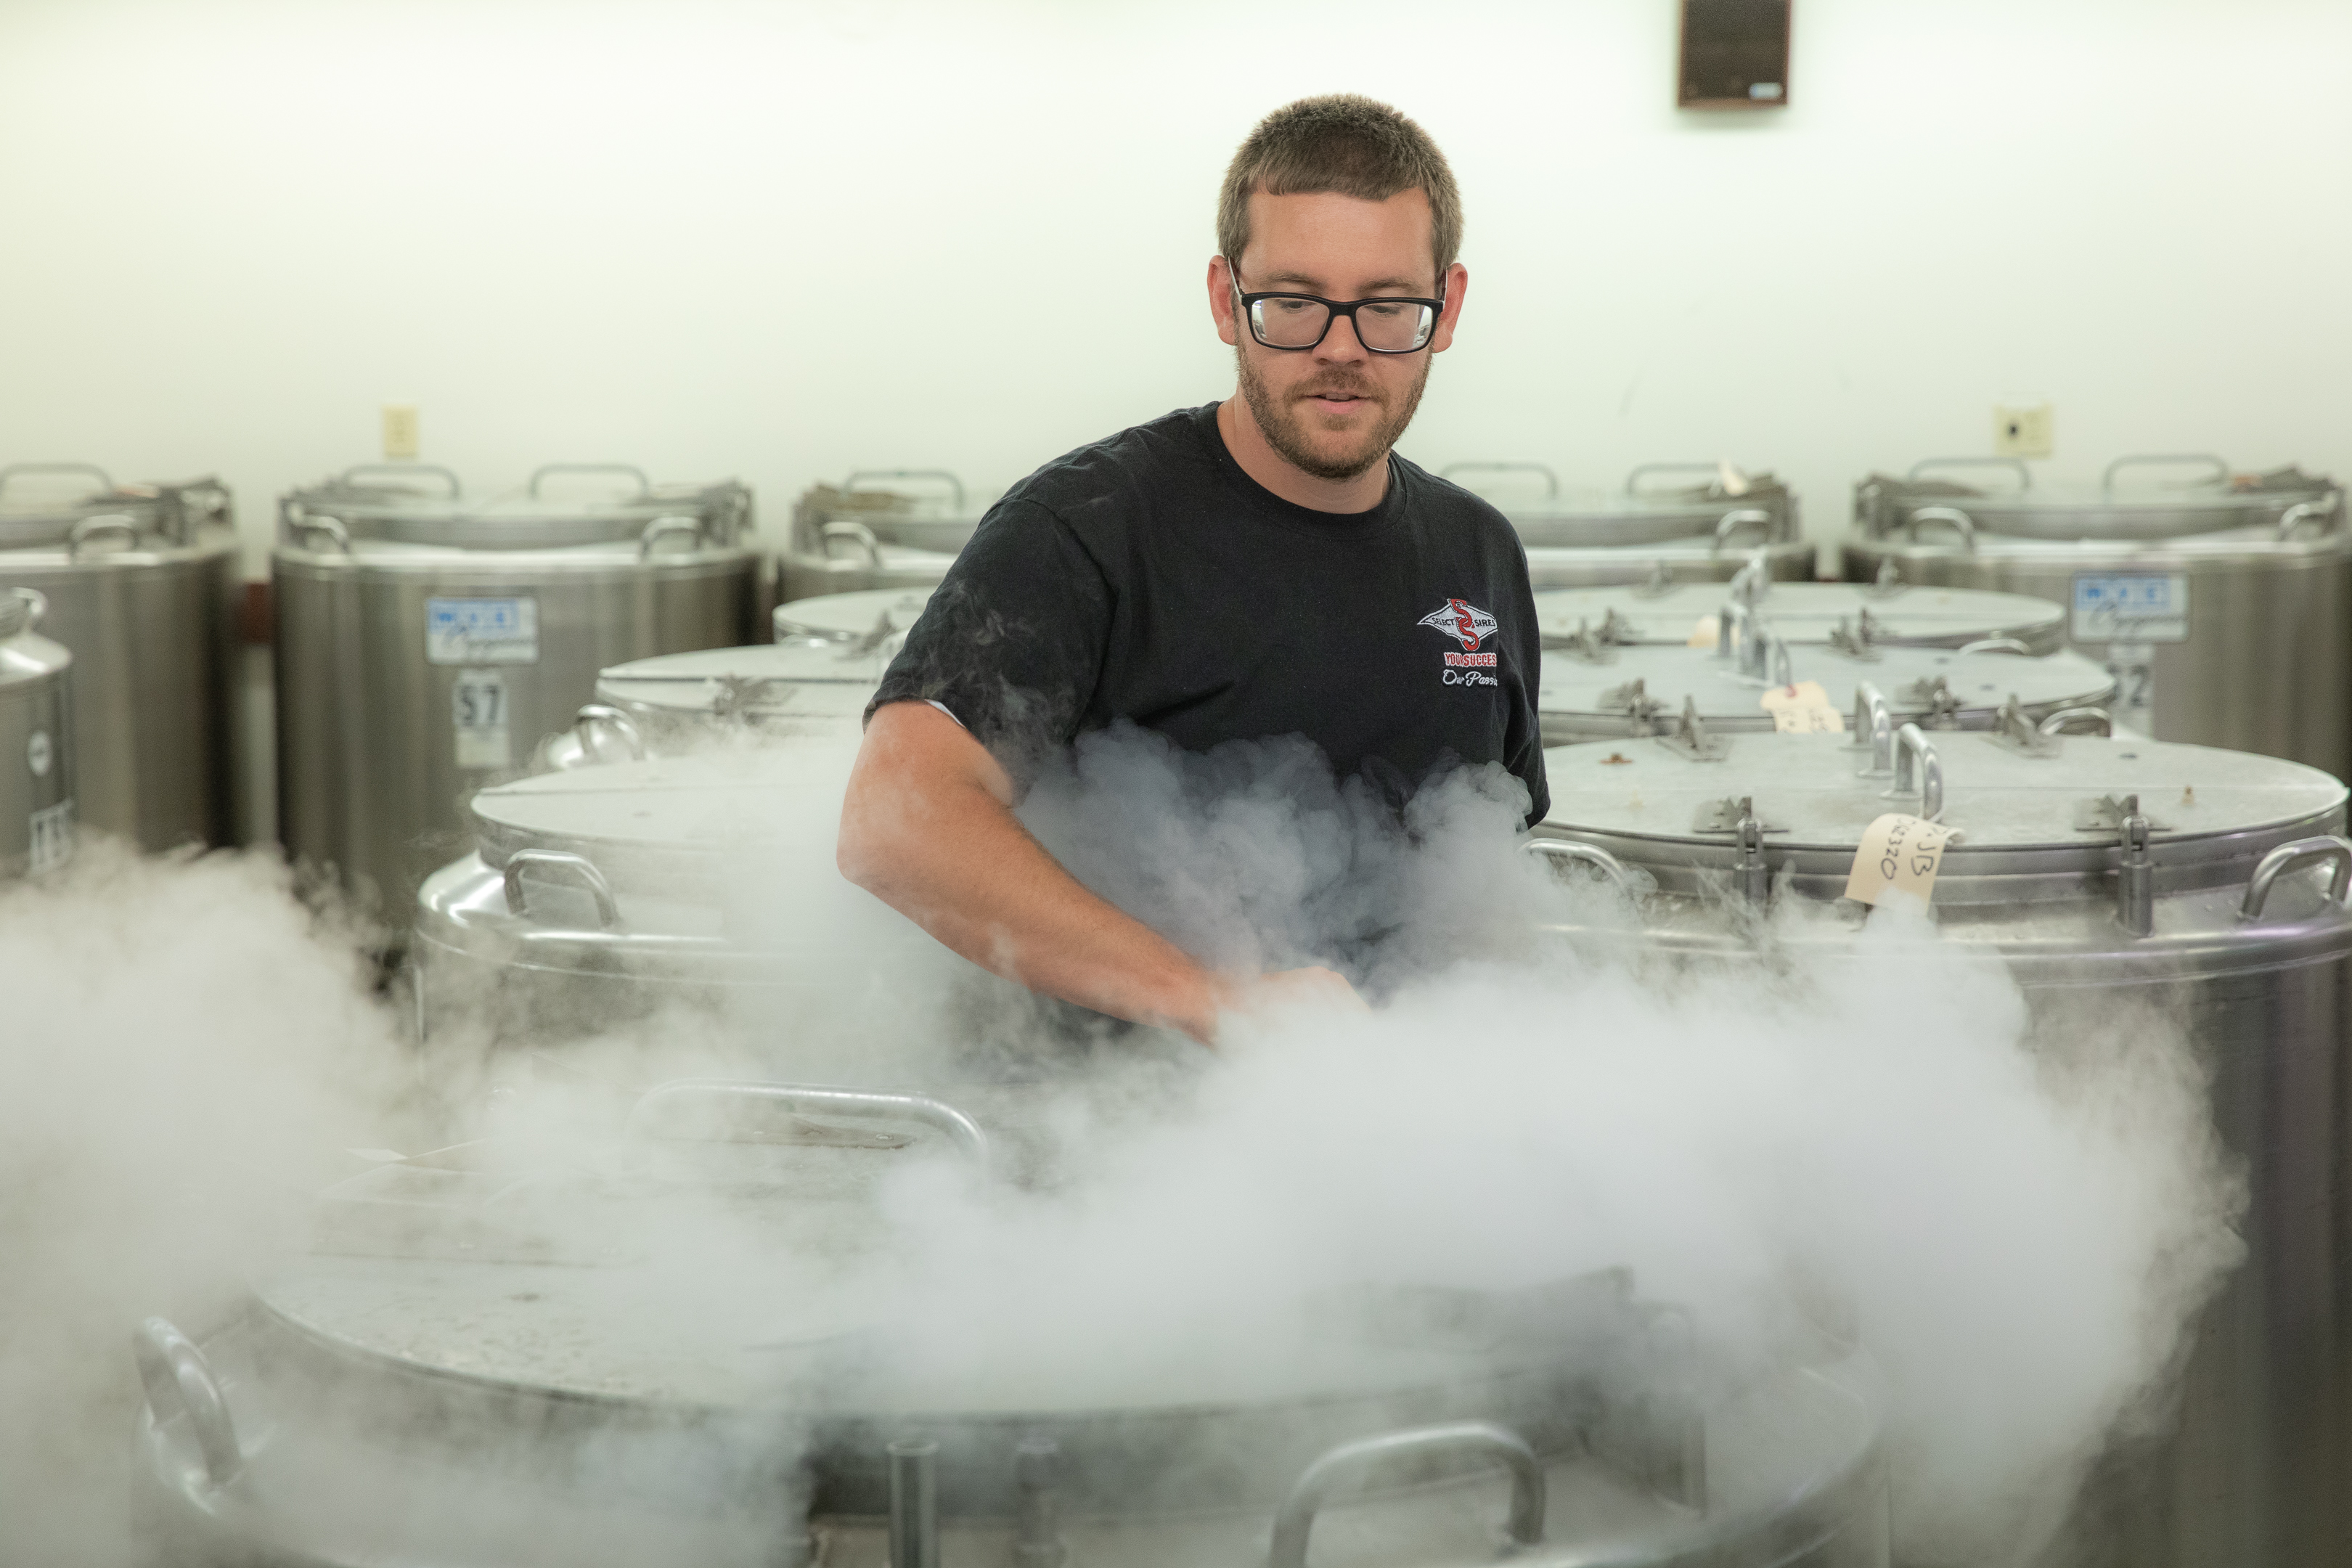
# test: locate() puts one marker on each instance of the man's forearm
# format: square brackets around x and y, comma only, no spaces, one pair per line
[927,829]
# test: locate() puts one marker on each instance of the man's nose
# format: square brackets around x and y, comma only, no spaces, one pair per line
[1340,345]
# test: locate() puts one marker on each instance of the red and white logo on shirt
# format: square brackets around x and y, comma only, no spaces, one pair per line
[1468,625]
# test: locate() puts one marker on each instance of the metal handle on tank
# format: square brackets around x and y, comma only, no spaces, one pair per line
[1873,731]
[37,605]
[645,485]
[1911,744]
[2062,721]
[2302,511]
[1296,1519]
[856,1104]
[2024,474]
[405,471]
[2292,857]
[856,533]
[1753,580]
[332,527]
[955,485]
[583,726]
[1994,645]
[176,1373]
[111,523]
[1591,854]
[1551,480]
[2149,459]
[1951,516]
[663,528]
[608,909]
[105,480]
[1732,522]
[1634,479]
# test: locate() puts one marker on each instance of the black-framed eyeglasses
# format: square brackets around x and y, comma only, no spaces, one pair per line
[1295,323]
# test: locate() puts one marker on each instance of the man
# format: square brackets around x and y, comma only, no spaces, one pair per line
[1263,566]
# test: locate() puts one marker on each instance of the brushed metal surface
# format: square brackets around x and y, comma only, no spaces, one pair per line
[369,783]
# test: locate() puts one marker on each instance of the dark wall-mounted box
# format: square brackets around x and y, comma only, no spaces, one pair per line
[1734,55]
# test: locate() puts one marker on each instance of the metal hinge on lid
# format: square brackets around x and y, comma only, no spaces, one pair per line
[2013,728]
[2107,813]
[1856,638]
[1890,581]
[1633,700]
[1724,815]
[1934,699]
[1691,740]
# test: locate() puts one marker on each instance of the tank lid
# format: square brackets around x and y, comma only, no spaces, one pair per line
[2053,810]
[563,505]
[2156,498]
[875,612]
[1647,686]
[804,678]
[46,506]
[1672,613]
[671,825]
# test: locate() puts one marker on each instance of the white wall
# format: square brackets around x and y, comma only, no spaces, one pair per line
[787,240]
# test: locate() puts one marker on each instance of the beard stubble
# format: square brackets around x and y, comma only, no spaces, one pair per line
[1285,426]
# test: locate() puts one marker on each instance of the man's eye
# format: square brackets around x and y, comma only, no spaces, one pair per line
[1290,307]
[1388,312]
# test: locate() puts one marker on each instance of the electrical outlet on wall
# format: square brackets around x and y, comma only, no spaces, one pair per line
[400,429]
[2021,430]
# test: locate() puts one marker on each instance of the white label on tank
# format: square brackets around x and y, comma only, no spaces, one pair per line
[2131,607]
[1897,854]
[477,709]
[53,834]
[481,631]
[2133,665]
[39,751]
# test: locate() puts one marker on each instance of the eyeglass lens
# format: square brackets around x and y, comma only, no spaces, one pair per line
[1384,326]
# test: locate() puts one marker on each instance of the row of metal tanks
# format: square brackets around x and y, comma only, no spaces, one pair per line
[425,637]
[2113,874]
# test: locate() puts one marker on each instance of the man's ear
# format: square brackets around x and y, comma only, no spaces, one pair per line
[1221,299]
[1458,284]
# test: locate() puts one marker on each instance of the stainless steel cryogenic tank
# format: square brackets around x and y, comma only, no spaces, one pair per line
[890,528]
[1755,681]
[1854,617]
[2223,605]
[426,641]
[605,894]
[36,763]
[875,613]
[2119,880]
[142,585]
[487,1361]
[800,685]
[1702,524]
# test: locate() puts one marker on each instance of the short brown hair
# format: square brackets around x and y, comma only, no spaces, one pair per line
[1344,142]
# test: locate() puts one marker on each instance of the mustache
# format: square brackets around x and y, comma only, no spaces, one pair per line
[1348,388]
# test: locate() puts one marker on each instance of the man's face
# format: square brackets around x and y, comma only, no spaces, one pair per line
[1335,410]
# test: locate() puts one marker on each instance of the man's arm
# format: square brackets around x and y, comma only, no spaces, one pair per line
[928,827]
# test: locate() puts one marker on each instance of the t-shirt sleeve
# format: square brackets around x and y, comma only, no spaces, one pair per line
[1012,642]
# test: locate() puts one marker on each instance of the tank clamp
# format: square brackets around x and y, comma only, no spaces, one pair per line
[1658,584]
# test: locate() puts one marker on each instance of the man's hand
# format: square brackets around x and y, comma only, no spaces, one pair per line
[1282,991]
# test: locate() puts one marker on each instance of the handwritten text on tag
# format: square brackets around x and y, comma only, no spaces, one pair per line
[1898,852]
[1803,709]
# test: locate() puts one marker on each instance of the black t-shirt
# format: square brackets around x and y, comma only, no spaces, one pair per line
[1148,578]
